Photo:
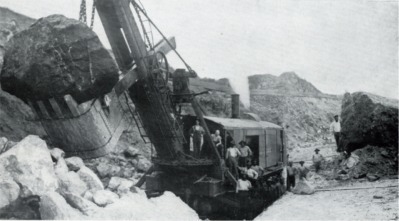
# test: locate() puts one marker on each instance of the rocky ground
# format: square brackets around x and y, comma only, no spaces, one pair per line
[361,204]
[37,182]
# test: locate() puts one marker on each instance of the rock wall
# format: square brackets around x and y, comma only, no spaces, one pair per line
[38,183]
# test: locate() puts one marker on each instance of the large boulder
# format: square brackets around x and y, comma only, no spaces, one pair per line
[368,119]
[29,164]
[57,56]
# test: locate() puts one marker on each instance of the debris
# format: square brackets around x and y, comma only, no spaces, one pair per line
[71,183]
[377,197]
[104,197]
[68,55]
[131,152]
[85,206]
[53,206]
[29,164]
[74,163]
[61,167]
[372,177]
[91,179]
[57,153]
[9,192]
[143,164]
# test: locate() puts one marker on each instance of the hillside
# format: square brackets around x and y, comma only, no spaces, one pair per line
[290,101]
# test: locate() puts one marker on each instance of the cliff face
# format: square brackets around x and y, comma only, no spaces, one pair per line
[292,102]
[288,83]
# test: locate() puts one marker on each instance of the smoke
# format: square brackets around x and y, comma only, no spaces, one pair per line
[240,86]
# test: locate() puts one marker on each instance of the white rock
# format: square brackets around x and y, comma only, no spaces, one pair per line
[29,164]
[91,179]
[107,170]
[104,197]
[115,182]
[131,152]
[57,153]
[144,164]
[60,167]
[70,182]
[74,163]
[54,206]
[9,191]
[88,195]
[83,205]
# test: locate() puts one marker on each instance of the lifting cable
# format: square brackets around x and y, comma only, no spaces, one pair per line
[163,36]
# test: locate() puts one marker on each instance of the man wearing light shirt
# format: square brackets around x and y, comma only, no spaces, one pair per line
[335,128]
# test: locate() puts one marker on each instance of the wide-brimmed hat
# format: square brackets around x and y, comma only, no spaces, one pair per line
[301,162]
[336,115]
[317,149]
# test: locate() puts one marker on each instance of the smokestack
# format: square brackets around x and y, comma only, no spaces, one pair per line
[235,106]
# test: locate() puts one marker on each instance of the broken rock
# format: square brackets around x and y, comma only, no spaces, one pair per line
[57,56]
[29,164]
[74,163]
[57,153]
[9,192]
[71,183]
[83,205]
[53,206]
[91,179]
[60,167]
[104,197]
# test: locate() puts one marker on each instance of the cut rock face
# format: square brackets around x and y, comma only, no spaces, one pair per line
[57,56]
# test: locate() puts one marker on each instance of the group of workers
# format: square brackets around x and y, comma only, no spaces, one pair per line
[302,170]
[245,170]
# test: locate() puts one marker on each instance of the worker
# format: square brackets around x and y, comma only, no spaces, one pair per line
[317,159]
[291,172]
[255,166]
[232,154]
[246,154]
[302,170]
[217,140]
[243,184]
[197,134]
[335,128]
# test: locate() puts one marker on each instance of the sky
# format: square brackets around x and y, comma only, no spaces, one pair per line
[337,45]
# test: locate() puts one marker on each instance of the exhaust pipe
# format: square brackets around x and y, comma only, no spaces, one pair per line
[235,106]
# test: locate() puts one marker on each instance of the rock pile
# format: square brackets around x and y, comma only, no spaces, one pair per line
[57,56]
[368,119]
[38,183]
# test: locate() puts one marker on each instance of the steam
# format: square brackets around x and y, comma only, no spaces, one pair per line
[240,86]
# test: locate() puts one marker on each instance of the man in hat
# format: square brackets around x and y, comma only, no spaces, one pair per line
[317,159]
[335,128]
[246,154]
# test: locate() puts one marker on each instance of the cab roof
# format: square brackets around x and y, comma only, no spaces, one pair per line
[230,123]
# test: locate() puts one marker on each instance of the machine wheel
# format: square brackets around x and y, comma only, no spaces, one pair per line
[161,65]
